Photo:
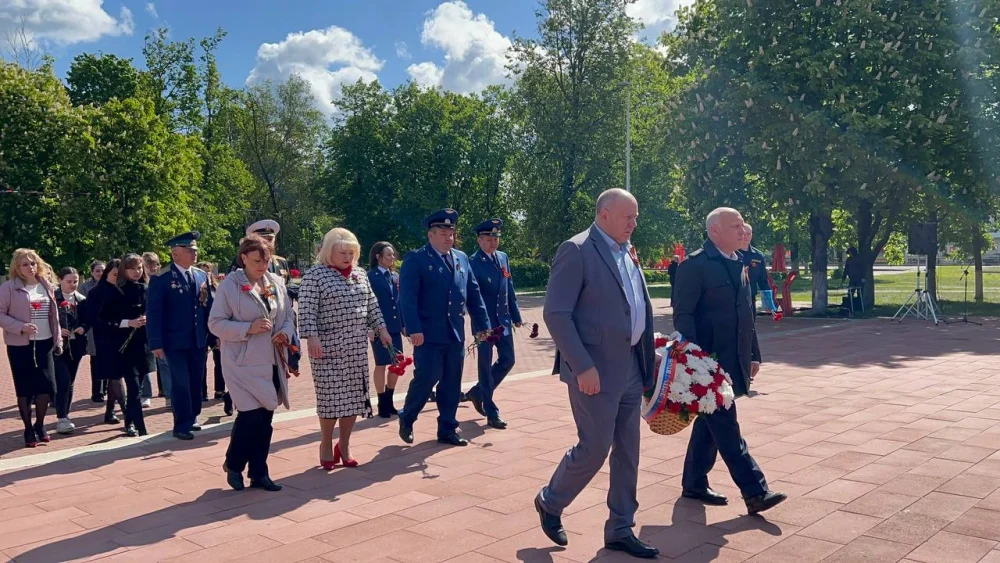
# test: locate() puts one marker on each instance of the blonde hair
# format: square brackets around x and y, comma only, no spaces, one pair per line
[44,270]
[338,238]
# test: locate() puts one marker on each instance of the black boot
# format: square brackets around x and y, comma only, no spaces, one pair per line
[389,392]
[383,406]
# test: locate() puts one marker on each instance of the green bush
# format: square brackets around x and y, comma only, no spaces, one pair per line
[656,276]
[529,273]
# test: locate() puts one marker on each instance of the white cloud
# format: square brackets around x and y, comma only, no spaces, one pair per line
[656,16]
[475,54]
[151,10]
[326,58]
[402,51]
[426,74]
[63,21]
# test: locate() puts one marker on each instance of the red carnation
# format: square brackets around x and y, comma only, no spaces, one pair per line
[246,288]
[64,304]
[295,273]
[36,305]
[674,407]
[693,407]
[408,362]
[689,371]
[699,390]
[399,358]
[719,400]
[660,342]
[777,317]
[681,358]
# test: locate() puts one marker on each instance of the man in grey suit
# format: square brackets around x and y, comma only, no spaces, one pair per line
[598,312]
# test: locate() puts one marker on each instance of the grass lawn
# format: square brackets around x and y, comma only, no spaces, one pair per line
[892,290]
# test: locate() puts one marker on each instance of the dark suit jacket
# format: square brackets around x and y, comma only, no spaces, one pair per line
[434,300]
[588,315]
[712,309]
[387,293]
[497,290]
[176,317]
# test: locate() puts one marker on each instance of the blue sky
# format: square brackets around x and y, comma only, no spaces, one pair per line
[459,45]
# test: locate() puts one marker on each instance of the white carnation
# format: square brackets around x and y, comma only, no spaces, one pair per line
[707,403]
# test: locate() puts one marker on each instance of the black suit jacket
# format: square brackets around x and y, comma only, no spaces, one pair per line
[712,308]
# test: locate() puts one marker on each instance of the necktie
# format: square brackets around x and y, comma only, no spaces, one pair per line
[496,262]
[189,279]
[392,286]
[448,260]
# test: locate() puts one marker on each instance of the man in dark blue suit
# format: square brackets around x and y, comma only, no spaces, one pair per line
[492,269]
[177,328]
[437,286]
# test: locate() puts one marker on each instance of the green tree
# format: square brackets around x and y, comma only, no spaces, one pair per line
[95,79]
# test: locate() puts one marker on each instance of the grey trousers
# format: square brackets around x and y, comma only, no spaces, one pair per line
[608,421]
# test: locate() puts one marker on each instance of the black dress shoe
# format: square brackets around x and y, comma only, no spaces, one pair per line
[632,546]
[265,483]
[196,427]
[234,478]
[453,440]
[111,419]
[227,404]
[131,432]
[766,501]
[184,435]
[498,423]
[477,404]
[406,431]
[708,496]
[432,398]
[551,525]
[97,398]
[219,395]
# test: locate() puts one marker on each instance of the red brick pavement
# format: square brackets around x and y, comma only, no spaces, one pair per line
[885,436]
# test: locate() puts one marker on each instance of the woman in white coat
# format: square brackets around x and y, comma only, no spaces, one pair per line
[252,318]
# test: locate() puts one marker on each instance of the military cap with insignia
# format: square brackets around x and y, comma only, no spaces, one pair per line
[264,227]
[445,219]
[187,240]
[491,227]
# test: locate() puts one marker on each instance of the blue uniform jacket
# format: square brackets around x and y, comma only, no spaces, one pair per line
[434,301]
[177,313]
[496,289]
[756,269]
[387,293]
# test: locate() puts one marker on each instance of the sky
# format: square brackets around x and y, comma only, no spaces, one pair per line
[458,45]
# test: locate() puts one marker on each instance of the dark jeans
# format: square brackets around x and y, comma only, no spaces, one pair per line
[133,400]
[491,374]
[66,368]
[719,434]
[250,442]
[187,371]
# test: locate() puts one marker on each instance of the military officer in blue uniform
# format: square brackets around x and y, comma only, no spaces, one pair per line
[492,269]
[437,286]
[177,328]
[753,259]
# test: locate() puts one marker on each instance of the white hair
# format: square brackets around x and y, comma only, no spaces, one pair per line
[716,214]
[612,196]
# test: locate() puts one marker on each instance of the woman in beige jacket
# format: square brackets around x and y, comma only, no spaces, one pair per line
[252,318]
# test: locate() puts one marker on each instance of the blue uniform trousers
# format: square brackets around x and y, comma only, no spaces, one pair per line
[187,372]
[491,374]
[441,365]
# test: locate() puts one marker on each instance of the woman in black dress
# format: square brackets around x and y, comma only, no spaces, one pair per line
[99,315]
[127,311]
[74,330]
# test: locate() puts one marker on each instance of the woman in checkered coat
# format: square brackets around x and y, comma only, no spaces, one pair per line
[337,311]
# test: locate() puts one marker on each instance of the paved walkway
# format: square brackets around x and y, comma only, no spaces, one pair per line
[885,436]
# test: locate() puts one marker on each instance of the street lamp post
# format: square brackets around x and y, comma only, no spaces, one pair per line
[628,134]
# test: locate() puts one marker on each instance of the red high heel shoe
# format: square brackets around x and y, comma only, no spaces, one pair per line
[348,462]
[328,465]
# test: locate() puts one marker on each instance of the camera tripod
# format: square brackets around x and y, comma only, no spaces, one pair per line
[920,304]
[965,299]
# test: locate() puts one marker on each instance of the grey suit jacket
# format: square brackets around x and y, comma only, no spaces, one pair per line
[587,314]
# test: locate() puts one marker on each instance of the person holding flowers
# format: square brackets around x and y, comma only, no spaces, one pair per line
[74,332]
[337,309]
[385,283]
[125,311]
[30,322]
[99,315]
[251,317]
[713,311]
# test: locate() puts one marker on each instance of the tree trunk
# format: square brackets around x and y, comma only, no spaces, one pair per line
[932,259]
[977,257]
[820,231]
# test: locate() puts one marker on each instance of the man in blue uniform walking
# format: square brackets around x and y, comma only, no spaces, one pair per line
[753,259]
[492,270]
[436,287]
[177,328]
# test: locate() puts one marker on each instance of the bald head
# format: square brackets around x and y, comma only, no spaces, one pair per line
[725,229]
[747,236]
[617,214]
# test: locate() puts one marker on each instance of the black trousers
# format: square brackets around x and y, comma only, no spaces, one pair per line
[133,373]
[718,434]
[250,442]
[220,383]
[98,386]
[67,365]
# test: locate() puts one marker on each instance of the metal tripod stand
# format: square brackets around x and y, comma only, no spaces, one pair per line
[965,299]
[920,304]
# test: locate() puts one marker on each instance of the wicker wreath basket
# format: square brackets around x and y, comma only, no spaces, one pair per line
[667,423]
